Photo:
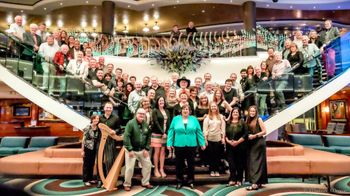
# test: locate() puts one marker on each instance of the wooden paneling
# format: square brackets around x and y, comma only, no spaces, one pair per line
[8,122]
[325,116]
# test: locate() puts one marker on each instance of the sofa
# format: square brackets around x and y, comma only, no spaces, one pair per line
[39,143]
[310,141]
[340,144]
[12,145]
[55,160]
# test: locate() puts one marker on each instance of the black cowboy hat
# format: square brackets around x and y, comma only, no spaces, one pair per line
[183,79]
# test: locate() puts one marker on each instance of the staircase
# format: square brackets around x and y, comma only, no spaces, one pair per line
[19,75]
[201,174]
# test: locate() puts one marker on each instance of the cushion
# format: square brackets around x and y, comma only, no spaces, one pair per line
[323,148]
[42,142]
[306,139]
[24,150]
[341,149]
[5,151]
[13,142]
[338,140]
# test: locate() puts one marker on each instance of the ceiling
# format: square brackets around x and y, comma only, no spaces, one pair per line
[44,6]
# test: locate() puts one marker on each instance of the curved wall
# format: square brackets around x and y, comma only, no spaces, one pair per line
[220,68]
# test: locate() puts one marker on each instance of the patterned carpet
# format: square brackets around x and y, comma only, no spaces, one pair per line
[276,187]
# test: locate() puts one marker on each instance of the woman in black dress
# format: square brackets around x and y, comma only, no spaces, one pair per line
[236,148]
[257,167]
[160,125]
[296,59]
[201,113]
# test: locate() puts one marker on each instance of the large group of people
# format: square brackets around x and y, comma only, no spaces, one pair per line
[174,117]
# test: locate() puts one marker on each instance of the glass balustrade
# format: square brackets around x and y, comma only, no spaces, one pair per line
[214,44]
[84,98]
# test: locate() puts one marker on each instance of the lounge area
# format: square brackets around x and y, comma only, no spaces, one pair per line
[18,145]
[282,159]
[328,143]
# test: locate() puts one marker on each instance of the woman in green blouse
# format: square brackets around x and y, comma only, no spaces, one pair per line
[185,134]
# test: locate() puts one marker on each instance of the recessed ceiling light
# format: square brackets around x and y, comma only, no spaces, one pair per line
[231,1]
[44,8]
[339,7]
[267,5]
[128,5]
[314,7]
[291,7]
[86,1]
[152,4]
[21,11]
[203,11]
[177,1]
[61,3]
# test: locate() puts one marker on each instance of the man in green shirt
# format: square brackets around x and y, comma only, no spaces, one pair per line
[137,138]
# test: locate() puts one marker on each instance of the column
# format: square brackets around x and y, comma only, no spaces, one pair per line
[249,22]
[108,9]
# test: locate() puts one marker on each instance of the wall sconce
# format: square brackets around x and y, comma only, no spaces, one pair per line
[125,29]
[145,29]
[94,34]
[83,34]
[156,27]
[325,109]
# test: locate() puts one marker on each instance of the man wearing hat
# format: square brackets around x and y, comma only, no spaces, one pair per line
[183,84]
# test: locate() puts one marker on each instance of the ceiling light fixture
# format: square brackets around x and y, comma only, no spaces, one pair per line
[44,8]
[61,3]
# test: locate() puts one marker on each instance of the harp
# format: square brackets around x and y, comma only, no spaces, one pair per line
[109,182]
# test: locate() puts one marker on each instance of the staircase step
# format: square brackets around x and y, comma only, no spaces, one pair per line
[197,161]
[171,179]
[171,169]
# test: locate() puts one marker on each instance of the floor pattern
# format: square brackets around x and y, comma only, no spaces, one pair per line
[276,187]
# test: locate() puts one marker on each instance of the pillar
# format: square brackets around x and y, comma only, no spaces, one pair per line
[108,9]
[249,22]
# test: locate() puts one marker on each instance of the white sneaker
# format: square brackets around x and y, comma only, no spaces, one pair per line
[217,174]
[212,174]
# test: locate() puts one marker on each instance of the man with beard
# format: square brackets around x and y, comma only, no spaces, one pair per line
[110,151]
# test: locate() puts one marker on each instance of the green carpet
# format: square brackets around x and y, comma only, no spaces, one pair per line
[276,186]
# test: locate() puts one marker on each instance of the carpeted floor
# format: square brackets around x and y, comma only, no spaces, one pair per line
[276,187]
